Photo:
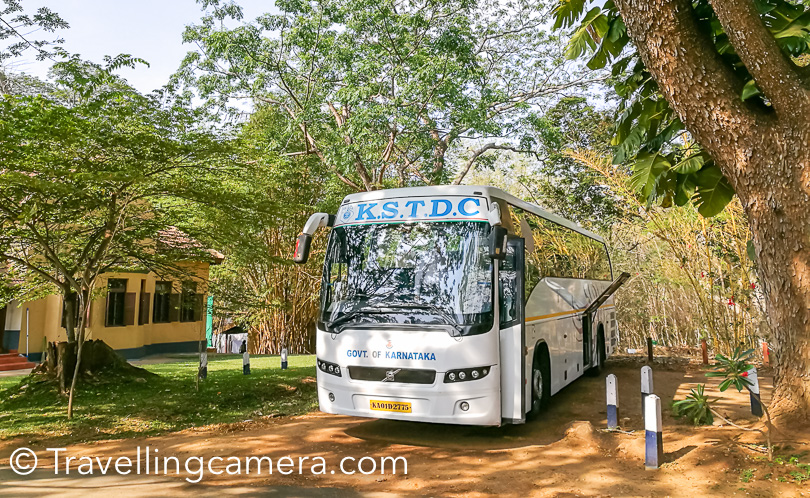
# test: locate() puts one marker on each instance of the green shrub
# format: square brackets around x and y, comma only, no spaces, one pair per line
[695,407]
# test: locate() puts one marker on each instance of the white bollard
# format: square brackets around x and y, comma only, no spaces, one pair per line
[612,385]
[284,358]
[753,389]
[646,385]
[654,445]
[246,363]
[202,372]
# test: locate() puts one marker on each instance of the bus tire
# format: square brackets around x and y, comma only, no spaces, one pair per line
[601,353]
[541,382]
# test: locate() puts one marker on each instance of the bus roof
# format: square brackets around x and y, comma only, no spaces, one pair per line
[468,190]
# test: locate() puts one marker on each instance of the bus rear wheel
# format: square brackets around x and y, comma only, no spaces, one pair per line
[541,384]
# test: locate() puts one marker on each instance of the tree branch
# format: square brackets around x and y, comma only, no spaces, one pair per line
[479,152]
[756,46]
[690,73]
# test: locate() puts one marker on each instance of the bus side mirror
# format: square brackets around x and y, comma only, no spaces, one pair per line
[301,254]
[317,220]
[497,242]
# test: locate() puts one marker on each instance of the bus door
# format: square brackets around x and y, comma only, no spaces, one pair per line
[587,354]
[511,302]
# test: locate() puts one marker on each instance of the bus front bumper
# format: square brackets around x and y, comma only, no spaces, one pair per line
[438,403]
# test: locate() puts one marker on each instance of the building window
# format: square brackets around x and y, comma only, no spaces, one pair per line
[116,302]
[188,302]
[163,292]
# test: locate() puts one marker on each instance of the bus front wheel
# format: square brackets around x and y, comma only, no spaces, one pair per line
[541,383]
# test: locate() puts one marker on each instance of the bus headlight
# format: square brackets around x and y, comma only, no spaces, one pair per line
[465,374]
[330,368]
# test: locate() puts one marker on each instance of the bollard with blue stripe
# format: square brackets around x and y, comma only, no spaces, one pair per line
[284,358]
[612,385]
[753,390]
[654,444]
[246,363]
[646,386]
[202,372]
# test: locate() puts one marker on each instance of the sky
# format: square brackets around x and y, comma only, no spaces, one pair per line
[149,29]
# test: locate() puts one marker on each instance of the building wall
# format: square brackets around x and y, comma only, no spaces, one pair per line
[132,341]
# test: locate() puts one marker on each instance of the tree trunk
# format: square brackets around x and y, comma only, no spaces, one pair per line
[70,316]
[65,361]
[763,154]
[2,327]
[780,223]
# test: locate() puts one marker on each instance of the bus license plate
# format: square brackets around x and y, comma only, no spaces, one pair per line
[390,406]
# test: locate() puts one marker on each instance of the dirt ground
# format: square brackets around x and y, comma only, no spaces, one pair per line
[564,453]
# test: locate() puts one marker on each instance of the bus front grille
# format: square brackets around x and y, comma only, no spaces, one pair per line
[399,375]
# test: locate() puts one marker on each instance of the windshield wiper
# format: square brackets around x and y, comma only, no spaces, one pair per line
[448,318]
[337,322]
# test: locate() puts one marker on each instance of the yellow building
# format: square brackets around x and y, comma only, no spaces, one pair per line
[139,314]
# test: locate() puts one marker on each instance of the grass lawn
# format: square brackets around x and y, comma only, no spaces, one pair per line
[116,408]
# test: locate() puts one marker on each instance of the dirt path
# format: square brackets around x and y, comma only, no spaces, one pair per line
[563,454]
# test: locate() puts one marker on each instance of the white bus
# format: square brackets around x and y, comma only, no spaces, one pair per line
[456,304]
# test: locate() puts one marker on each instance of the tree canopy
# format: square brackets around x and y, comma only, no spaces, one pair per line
[381,91]
[733,74]
[670,167]
[87,188]
[16,26]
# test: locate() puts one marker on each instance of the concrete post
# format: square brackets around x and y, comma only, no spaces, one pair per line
[753,389]
[246,363]
[654,444]
[612,402]
[646,385]
[284,358]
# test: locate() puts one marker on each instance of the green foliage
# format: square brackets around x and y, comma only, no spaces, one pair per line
[713,191]
[16,28]
[796,472]
[86,187]
[734,369]
[258,286]
[648,133]
[379,92]
[747,474]
[559,182]
[695,407]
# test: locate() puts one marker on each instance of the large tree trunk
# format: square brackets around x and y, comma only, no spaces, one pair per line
[779,211]
[97,357]
[763,153]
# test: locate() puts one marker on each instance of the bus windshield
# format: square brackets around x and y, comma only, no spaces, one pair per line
[436,273]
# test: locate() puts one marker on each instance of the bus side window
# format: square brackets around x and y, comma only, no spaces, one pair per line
[508,287]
